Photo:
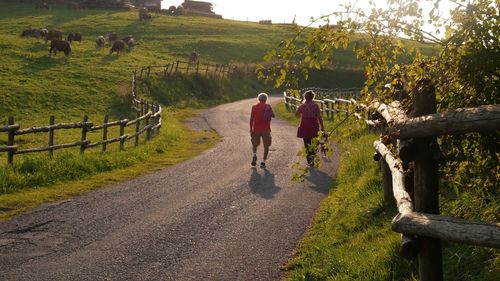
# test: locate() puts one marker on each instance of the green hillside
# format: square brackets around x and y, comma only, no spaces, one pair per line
[33,84]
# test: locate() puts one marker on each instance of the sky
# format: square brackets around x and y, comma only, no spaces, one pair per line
[280,11]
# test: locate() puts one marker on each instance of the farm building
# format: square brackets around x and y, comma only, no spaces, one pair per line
[150,4]
[199,8]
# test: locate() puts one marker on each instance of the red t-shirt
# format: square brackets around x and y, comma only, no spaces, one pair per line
[258,123]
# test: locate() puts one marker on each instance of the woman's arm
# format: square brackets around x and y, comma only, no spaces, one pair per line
[320,118]
[298,111]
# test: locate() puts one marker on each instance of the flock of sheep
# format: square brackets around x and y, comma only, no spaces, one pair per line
[58,44]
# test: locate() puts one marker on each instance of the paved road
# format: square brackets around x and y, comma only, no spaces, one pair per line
[210,218]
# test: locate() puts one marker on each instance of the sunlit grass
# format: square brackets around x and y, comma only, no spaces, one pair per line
[351,238]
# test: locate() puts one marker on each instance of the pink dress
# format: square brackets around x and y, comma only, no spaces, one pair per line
[309,124]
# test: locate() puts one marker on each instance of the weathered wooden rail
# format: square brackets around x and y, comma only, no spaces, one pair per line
[184,67]
[148,121]
[416,191]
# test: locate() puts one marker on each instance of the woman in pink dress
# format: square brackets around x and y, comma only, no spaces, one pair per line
[310,124]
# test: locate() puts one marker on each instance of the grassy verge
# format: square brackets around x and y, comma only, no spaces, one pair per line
[41,179]
[350,237]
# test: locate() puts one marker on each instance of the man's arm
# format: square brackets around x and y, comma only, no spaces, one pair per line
[251,123]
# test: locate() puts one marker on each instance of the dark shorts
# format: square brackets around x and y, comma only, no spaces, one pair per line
[266,138]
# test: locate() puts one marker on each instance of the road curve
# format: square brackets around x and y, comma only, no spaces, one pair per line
[209,218]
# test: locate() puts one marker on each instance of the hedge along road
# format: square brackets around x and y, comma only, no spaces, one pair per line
[213,217]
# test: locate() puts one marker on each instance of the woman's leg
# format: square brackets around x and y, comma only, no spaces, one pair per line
[309,151]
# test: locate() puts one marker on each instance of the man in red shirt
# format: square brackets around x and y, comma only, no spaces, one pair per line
[260,127]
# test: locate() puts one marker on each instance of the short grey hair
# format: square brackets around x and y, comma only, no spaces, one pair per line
[262,97]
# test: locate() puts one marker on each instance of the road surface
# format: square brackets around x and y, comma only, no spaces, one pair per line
[213,217]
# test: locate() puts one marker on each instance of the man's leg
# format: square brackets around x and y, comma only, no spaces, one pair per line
[255,144]
[266,140]
[266,152]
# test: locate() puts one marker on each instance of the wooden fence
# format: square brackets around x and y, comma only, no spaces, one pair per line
[416,191]
[148,121]
[183,67]
[329,107]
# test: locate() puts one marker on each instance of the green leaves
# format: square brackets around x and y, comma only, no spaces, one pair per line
[463,64]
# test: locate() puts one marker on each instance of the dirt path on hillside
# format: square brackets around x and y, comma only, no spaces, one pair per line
[210,218]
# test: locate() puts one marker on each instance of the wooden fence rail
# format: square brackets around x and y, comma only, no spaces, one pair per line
[148,121]
[416,192]
[184,67]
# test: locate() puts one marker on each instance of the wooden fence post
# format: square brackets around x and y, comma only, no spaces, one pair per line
[105,133]
[409,243]
[148,131]
[52,121]
[333,110]
[197,67]
[177,67]
[166,70]
[149,70]
[158,118]
[187,68]
[426,186]
[10,140]
[84,134]
[134,86]
[206,70]
[122,133]
[171,69]
[137,127]
[387,181]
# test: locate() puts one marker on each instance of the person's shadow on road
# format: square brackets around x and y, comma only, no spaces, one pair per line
[320,181]
[263,183]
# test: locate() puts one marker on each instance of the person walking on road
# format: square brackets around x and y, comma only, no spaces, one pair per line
[310,124]
[260,127]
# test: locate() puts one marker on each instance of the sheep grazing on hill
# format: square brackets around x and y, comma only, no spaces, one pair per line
[126,39]
[112,37]
[78,37]
[44,32]
[74,37]
[193,57]
[60,45]
[118,47]
[131,44]
[34,32]
[99,42]
[53,34]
